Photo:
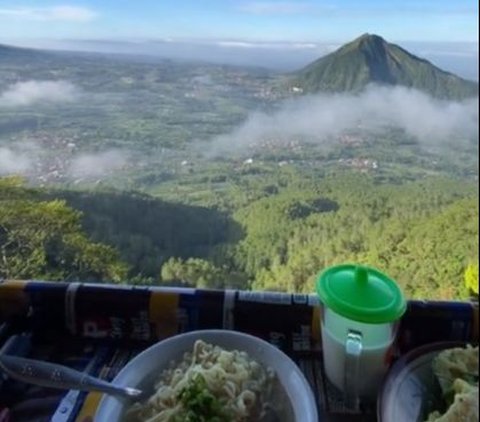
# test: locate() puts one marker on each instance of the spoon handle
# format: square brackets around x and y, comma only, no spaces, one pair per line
[57,376]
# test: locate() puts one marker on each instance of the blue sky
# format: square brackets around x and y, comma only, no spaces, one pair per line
[316,21]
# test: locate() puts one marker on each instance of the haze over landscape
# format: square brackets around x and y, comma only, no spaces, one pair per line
[238,157]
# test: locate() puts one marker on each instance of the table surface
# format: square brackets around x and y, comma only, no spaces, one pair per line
[98,329]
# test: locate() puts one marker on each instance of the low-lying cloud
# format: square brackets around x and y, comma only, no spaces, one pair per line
[282,46]
[99,164]
[35,161]
[13,162]
[324,116]
[33,92]
[320,118]
[65,13]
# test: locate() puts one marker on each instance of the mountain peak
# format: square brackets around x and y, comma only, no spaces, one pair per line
[366,42]
[369,37]
[371,59]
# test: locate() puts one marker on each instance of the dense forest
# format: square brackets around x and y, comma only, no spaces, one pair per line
[277,234]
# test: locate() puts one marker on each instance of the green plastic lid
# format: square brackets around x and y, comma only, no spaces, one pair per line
[361,293]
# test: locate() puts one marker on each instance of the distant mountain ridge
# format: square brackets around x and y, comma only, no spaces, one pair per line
[370,59]
[7,50]
[14,54]
[366,60]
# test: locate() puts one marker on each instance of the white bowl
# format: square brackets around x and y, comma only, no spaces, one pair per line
[410,391]
[144,368]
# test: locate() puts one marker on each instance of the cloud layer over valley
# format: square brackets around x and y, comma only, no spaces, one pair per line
[13,161]
[319,118]
[323,116]
[34,92]
[97,165]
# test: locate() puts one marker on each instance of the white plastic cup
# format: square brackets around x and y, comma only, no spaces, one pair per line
[356,355]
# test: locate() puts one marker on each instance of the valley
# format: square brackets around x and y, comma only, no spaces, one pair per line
[222,176]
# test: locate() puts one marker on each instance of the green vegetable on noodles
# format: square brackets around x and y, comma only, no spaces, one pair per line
[199,404]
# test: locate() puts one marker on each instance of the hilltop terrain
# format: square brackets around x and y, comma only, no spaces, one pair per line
[370,59]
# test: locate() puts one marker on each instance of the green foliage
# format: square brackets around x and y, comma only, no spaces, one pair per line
[199,404]
[471,278]
[43,239]
[200,273]
[148,231]
[423,234]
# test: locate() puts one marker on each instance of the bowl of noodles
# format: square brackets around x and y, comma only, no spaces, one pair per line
[212,375]
[435,383]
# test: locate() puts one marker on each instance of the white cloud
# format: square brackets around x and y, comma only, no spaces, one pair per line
[275,7]
[64,13]
[324,116]
[95,165]
[31,92]
[13,162]
[31,159]
[268,46]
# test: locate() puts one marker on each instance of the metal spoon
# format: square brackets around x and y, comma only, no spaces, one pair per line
[47,374]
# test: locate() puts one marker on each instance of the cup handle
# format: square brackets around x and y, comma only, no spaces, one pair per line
[353,351]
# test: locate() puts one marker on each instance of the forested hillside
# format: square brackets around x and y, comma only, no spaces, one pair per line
[423,234]
[371,59]
[148,231]
[44,239]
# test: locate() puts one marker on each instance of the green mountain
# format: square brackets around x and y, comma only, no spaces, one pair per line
[370,59]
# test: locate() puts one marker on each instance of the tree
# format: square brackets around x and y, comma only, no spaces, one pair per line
[44,239]
[471,278]
[200,273]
